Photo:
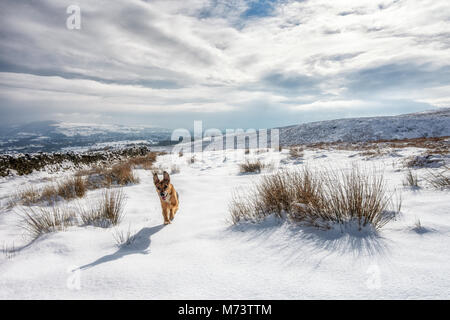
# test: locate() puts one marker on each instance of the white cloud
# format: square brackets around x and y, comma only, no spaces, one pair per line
[205,56]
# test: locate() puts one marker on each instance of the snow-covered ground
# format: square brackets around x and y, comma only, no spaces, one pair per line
[86,129]
[434,123]
[201,256]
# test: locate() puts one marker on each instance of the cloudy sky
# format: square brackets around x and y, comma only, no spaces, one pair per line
[236,63]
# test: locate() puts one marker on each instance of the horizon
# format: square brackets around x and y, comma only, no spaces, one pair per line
[238,64]
[191,128]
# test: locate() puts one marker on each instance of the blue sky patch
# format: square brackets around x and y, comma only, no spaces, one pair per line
[260,8]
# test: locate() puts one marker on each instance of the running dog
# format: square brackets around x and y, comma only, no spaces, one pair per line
[167,195]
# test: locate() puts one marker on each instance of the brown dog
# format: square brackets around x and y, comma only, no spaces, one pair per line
[167,195]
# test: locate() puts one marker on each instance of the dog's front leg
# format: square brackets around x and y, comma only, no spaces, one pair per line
[172,214]
[165,213]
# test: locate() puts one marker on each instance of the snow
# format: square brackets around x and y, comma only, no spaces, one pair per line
[121,144]
[201,256]
[71,129]
[434,123]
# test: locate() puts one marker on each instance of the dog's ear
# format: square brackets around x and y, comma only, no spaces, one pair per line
[166,176]
[155,178]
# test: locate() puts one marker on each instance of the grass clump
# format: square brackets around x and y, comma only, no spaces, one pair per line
[9,252]
[100,177]
[317,198]
[124,238]
[28,196]
[411,180]
[108,211]
[68,189]
[49,194]
[295,152]
[251,166]
[122,174]
[37,221]
[144,162]
[439,179]
[425,160]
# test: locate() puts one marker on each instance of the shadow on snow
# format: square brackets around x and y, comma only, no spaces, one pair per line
[140,245]
[340,239]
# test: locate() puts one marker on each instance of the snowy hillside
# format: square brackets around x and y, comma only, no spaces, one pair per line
[201,256]
[51,136]
[71,129]
[414,125]
[406,126]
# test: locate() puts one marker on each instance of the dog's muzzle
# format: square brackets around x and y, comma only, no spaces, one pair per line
[163,195]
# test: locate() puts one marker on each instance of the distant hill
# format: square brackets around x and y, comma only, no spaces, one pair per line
[50,136]
[434,123]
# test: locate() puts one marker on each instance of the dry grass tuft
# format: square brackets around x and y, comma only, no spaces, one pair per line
[418,227]
[28,196]
[9,251]
[109,210]
[440,179]
[124,238]
[70,188]
[411,180]
[436,145]
[374,153]
[317,199]
[119,174]
[122,174]
[37,221]
[425,160]
[144,162]
[49,194]
[67,189]
[251,166]
[295,152]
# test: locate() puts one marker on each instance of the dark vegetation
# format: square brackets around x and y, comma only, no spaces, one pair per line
[24,164]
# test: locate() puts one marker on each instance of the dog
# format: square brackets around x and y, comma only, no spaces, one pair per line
[167,195]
